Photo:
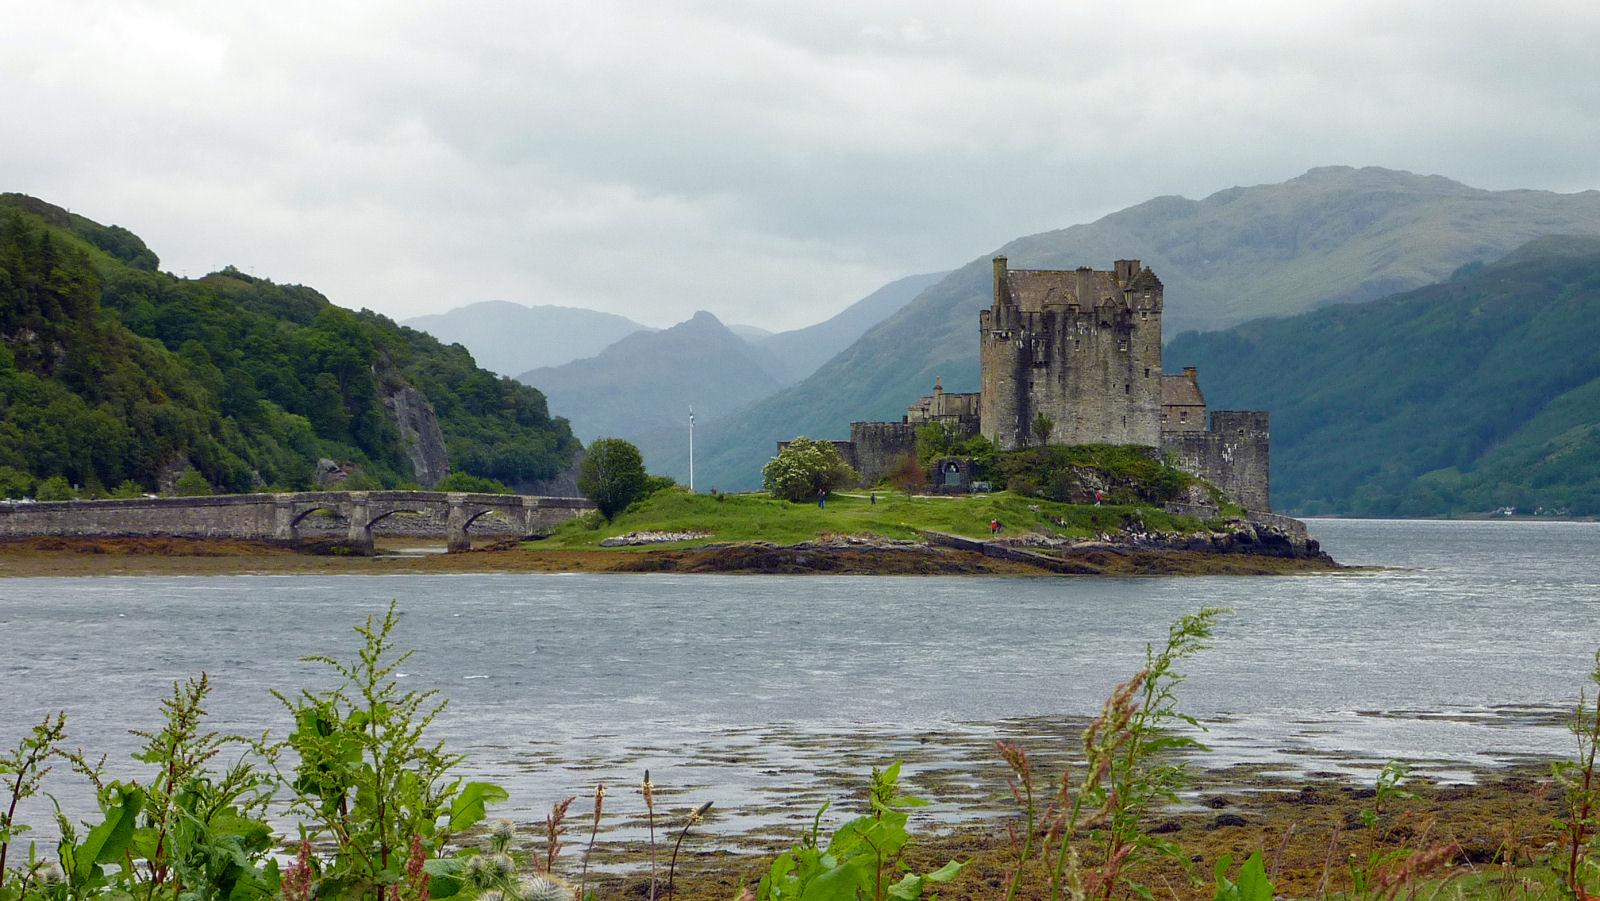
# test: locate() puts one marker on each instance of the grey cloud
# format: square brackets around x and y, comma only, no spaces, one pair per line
[640,157]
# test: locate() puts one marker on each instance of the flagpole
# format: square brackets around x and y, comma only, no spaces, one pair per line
[691,448]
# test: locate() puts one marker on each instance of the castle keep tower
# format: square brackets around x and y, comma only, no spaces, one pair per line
[1081,347]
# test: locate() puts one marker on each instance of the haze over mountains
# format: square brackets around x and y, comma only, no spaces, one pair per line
[648,380]
[1332,235]
[508,338]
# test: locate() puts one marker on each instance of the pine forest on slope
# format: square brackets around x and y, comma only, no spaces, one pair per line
[1332,235]
[113,372]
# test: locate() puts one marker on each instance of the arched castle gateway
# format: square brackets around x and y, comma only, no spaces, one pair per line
[1082,349]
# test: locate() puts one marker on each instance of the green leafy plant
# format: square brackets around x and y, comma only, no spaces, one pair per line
[188,832]
[1253,884]
[1128,770]
[1580,785]
[202,833]
[367,777]
[860,860]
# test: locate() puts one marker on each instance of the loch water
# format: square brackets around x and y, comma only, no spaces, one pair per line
[1463,647]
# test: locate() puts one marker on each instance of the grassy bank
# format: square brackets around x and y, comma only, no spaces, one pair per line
[726,518]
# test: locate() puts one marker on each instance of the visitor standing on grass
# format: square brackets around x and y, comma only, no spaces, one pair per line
[822,500]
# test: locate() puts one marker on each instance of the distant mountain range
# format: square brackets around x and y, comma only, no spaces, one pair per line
[648,380]
[791,356]
[1333,235]
[1479,393]
[509,338]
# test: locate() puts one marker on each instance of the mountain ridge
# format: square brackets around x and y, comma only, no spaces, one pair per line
[508,338]
[1335,234]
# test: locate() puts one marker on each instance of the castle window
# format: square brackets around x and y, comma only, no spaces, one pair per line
[1147,372]
[1122,344]
[1127,389]
[1183,415]
[1144,314]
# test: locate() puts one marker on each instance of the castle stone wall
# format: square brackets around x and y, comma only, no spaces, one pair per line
[1234,455]
[878,446]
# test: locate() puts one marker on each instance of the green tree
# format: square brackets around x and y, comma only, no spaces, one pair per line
[56,488]
[1042,427]
[460,481]
[14,482]
[612,475]
[804,469]
[192,484]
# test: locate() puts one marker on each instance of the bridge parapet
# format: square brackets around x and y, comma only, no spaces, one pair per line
[279,517]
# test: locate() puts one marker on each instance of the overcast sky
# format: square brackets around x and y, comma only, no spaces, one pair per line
[769,162]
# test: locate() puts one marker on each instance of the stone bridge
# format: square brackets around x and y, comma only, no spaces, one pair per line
[285,518]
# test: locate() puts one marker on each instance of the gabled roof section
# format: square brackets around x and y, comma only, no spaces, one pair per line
[1181,391]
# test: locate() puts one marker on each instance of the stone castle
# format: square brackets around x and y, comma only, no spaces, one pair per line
[1079,353]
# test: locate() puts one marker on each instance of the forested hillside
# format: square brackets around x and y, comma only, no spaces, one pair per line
[112,372]
[1463,397]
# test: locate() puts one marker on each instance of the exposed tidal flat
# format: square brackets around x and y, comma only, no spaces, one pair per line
[1459,651]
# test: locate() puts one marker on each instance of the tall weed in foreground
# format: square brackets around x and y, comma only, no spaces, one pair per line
[186,832]
[1127,771]
[368,780]
[23,772]
[1580,785]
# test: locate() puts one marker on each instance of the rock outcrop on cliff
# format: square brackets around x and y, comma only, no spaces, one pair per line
[420,434]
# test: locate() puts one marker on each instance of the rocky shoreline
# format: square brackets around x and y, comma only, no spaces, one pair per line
[1248,549]
[1311,831]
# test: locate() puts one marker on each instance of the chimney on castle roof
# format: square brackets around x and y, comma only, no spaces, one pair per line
[1126,270]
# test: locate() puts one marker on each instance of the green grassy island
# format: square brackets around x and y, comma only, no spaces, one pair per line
[893,532]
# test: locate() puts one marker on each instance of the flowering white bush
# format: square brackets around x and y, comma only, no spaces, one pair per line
[805,469]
